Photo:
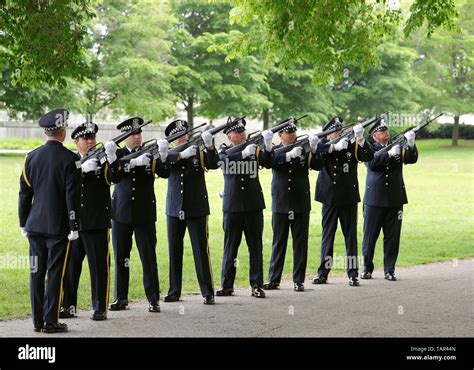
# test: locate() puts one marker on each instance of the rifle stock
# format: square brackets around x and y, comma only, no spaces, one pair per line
[349,134]
[197,140]
[98,150]
[151,146]
[400,138]
[257,138]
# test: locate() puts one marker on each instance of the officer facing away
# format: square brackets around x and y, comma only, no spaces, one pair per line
[48,210]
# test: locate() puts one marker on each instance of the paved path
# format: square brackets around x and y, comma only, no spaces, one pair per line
[434,300]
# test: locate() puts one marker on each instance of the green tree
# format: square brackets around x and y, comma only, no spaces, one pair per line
[127,64]
[328,34]
[446,62]
[293,92]
[204,82]
[128,60]
[42,39]
[392,85]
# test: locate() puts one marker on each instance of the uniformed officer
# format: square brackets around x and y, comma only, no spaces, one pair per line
[291,205]
[384,198]
[187,206]
[337,188]
[48,205]
[94,225]
[243,206]
[134,212]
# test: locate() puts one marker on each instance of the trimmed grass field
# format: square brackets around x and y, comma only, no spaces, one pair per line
[438,225]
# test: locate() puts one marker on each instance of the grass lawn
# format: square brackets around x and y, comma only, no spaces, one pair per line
[438,225]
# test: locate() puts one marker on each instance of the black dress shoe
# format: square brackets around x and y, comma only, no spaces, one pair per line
[154,307]
[319,280]
[298,287]
[390,276]
[39,328]
[119,305]
[225,292]
[353,281]
[67,313]
[56,327]
[99,316]
[209,299]
[171,298]
[271,286]
[258,292]
[366,275]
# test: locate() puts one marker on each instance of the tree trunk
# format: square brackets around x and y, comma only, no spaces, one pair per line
[454,139]
[190,111]
[89,117]
[266,119]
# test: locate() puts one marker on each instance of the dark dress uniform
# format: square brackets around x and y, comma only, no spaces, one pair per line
[337,188]
[134,211]
[94,226]
[384,198]
[243,205]
[187,206]
[291,206]
[48,208]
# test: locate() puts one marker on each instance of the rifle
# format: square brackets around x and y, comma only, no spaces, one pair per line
[400,139]
[349,134]
[197,139]
[303,140]
[257,138]
[151,146]
[98,150]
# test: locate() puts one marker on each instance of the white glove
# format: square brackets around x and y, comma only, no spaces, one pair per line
[23,232]
[394,150]
[163,146]
[89,165]
[188,152]
[313,142]
[267,139]
[341,144]
[143,160]
[358,132]
[410,136]
[110,149]
[294,153]
[73,235]
[249,150]
[207,139]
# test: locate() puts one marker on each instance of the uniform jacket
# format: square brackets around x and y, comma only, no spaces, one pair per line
[242,189]
[95,209]
[384,185]
[187,192]
[50,190]
[337,183]
[290,183]
[133,199]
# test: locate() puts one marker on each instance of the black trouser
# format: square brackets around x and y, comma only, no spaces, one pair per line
[281,223]
[388,219]
[145,238]
[94,244]
[198,233]
[347,215]
[251,224]
[48,254]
